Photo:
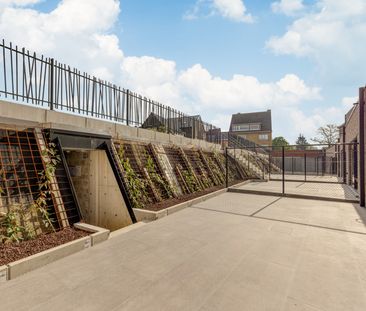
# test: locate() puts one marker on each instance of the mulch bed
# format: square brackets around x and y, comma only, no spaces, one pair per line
[10,252]
[171,202]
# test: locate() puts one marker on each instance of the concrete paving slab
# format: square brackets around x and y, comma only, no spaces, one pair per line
[337,215]
[236,203]
[327,190]
[202,259]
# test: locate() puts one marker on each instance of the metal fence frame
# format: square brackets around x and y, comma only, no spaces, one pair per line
[45,82]
[313,162]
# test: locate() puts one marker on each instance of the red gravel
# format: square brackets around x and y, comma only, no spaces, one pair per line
[10,252]
[171,202]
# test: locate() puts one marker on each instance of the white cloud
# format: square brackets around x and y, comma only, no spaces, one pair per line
[80,40]
[348,102]
[332,34]
[8,3]
[231,9]
[287,7]
[94,48]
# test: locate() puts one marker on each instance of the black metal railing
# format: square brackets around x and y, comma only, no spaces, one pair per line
[237,141]
[318,170]
[45,82]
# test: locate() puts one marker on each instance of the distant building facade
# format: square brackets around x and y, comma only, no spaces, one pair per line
[349,134]
[254,126]
[191,127]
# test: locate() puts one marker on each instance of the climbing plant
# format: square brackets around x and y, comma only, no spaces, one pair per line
[156,178]
[44,186]
[15,223]
[136,185]
[189,179]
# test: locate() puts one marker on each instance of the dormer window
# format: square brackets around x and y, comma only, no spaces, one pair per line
[247,127]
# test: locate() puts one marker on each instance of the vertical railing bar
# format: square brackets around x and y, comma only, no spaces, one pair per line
[4,63]
[40,82]
[35,79]
[16,72]
[30,71]
[24,74]
[12,70]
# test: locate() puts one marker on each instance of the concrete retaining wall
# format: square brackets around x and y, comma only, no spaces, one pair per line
[20,116]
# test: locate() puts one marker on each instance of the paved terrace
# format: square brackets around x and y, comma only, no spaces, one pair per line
[309,177]
[233,252]
[318,189]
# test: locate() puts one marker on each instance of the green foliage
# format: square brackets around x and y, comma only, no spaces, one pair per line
[219,176]
[156,178]
[12,227]
[280,141]
[190,180]
[15,223]
[44,186]
[136,186]
[301,142]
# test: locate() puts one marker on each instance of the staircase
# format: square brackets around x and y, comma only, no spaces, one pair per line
[66,188]
[254,157]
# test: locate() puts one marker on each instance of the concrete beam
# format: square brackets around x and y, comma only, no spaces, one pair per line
[20,115]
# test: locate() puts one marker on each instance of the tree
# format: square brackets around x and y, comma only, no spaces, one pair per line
[278,142]
[327,135]
[301,142]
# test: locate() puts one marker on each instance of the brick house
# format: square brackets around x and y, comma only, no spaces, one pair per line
[254,126]
[349,154]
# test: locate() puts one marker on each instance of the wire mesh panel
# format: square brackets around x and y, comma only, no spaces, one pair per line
[326,171]
[23,195]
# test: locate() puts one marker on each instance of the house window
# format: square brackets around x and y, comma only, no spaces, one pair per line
[255,127]
[263,137]
[241,127]
[247,127]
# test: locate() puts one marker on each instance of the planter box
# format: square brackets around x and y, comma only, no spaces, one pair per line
[36,261]
[22,266]
[146,215]
[3,274]
[98,234]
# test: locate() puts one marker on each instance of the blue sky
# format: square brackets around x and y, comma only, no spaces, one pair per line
[302,59]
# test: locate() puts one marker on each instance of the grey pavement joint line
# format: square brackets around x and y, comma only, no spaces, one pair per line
[281,220]
[269,204]
[298,186]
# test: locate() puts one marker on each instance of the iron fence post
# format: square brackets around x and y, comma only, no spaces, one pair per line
[361,133]
[128,107]
[169,118]
[305,165]
[226,168]
[316,165]
[269,165]
[283,169]
[51,84]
